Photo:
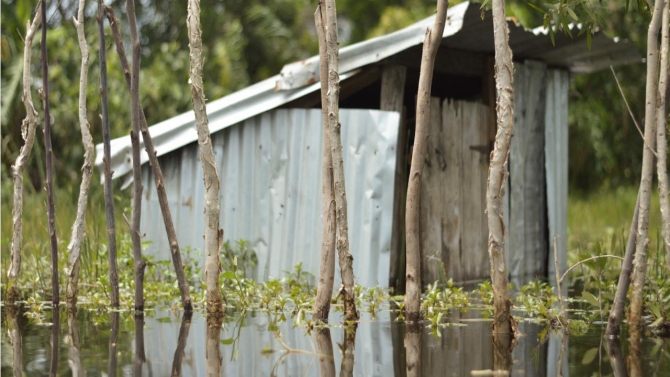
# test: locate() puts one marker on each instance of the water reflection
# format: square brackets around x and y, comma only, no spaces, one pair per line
[413,349]
[74,355]
[616,357]
[162,344]
[348,351]
[16,338]
[140,357]
[635,351]
[55,332]
[212,350]
[324,346]
[181,344]
[113,347]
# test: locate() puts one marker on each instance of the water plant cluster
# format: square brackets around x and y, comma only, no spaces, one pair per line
[292,297]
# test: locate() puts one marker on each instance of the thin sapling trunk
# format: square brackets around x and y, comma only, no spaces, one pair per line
[412,219]
[616,313]
[156,171]
[79,226]
[495,190]
[28,133]
[213,235]
[345,257]
[137,168]
[106,140]
[327,270]
[661,140]
[640,260]
[51,207]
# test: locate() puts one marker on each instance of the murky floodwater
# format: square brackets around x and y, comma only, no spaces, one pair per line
[104,344]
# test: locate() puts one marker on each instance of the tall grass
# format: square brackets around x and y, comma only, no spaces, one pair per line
[607,213]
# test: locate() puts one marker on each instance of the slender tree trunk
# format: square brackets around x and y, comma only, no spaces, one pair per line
[74,352]
[503,345]
[156,172]
[640,261]
[181,344]
[635,351]
[79,226]
[495,190]
[412,219]
[28,133]
[137,165]
[213,235]
[324,345]
[51,207]
[328,231]
[661,140]
[345,257]
[616,313]
[113,343]
[106,140]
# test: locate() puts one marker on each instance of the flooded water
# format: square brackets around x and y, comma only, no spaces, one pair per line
[258,344]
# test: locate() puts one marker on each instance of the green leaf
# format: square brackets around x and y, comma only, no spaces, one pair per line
[591,299]
[572,14]
[657,322]
[589,356]
[588,39]
[551,36]
[228,342]
[536,8]
[229,275]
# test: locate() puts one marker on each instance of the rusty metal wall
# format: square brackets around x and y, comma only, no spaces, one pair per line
[270,170]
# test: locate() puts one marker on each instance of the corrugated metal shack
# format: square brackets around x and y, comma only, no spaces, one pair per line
[267,138]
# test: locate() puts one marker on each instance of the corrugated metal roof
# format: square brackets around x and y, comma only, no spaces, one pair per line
[465,30]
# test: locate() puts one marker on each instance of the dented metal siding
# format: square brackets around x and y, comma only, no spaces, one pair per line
[270,169]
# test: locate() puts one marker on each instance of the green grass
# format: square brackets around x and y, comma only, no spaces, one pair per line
[603,214]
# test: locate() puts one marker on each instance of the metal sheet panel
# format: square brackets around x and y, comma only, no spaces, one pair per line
[269,167]
[556,164]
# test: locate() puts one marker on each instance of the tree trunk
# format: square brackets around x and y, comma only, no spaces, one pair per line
[156,172]
[28,133]
[346,259]
[137,165]
[495,190]
[328,230]
[640,261]
[106,140]
[412,223]
[79,226]
[213,235]
[661,140]
[51,207]
[616,313]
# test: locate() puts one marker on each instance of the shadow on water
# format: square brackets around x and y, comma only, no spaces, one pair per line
[163,343]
